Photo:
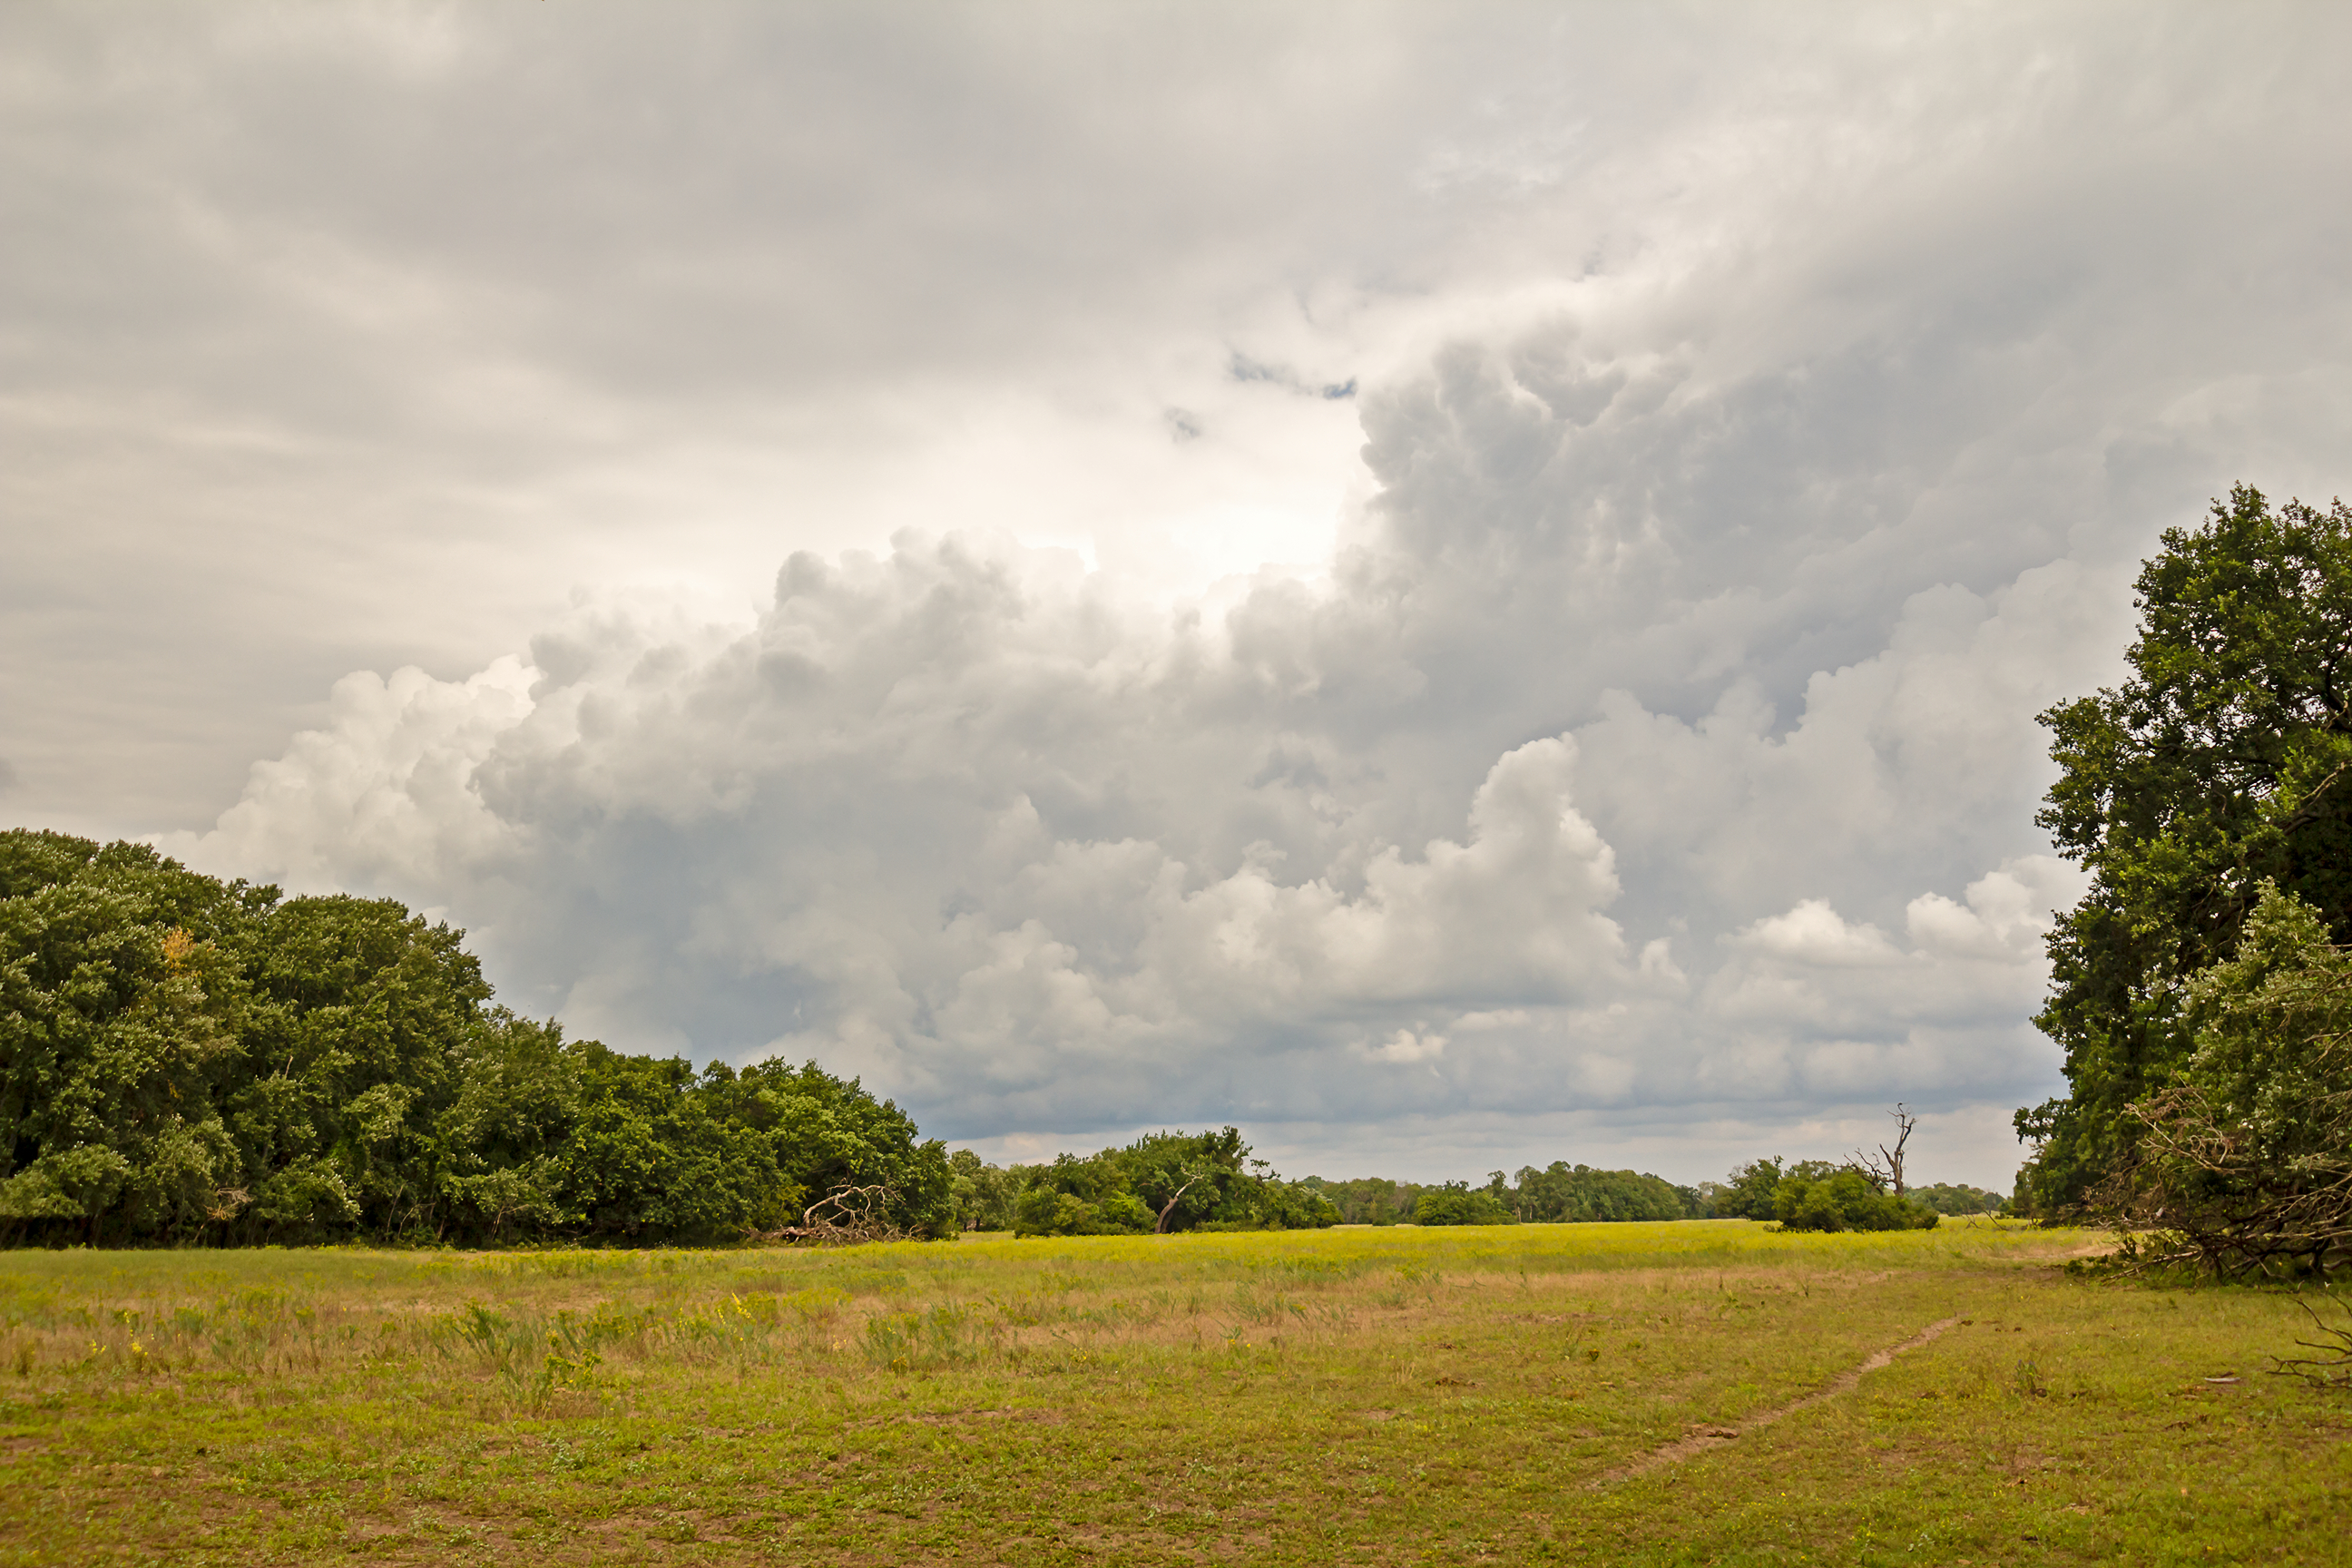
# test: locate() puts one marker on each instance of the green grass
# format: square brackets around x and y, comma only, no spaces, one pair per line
[1375,1396]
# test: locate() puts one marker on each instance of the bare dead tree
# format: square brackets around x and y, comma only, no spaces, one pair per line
[1885,1167]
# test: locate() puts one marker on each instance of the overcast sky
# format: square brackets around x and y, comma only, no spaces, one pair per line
[1455,586]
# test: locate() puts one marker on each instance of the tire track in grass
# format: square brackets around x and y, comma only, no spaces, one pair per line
[1707,1438]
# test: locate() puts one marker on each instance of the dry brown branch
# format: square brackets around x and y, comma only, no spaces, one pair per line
[844,1216]
[2333,1369]
[1885,1168]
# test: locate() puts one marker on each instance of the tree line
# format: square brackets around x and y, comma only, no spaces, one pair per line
[1206,1180]
[1772,1189]
[185,1059]
[1555,1193]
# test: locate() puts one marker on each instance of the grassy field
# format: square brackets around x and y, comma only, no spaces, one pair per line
[1570,1393]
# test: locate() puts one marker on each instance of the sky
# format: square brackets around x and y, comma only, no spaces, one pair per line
[1456,587]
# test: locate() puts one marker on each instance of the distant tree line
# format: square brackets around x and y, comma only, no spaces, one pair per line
[1960,1198]
[183,1059]
[1160,1183]
[1809,1194]
[1555,1193]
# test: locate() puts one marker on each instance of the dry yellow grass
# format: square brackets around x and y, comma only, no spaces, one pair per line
[1356,1395]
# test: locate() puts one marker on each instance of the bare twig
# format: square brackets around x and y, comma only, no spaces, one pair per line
[2206,1190]
[2332,1370]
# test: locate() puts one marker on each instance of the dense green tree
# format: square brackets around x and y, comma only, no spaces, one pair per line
[2220,762]
[359,1014]
[1458,1203]
[1748,1194]
[1577,1193]
[829,1133]
[121,999]
[984,1194]
[1816,1195]
[652,1157]
[502,1143]
[184,1058]
[2244,1165]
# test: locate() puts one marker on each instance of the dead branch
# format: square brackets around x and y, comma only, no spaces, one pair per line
[2206,1190]
[1169,1207]
[2334,1368]
[846,1217]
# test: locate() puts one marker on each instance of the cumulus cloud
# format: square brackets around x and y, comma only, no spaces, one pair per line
[1028,856]
[954,820]
[389,788]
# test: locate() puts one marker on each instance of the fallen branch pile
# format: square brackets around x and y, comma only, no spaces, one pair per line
[846,1217]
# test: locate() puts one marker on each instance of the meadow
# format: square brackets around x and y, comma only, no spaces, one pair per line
[1693,1392]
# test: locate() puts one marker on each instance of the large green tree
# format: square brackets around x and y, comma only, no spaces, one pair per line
[2224,760]
[186,1059]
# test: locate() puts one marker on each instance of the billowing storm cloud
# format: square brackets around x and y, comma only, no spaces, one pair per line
[1451,596]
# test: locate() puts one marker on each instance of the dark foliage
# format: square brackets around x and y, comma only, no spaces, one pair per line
[2220,764]
[1457,1203]
[185,1059]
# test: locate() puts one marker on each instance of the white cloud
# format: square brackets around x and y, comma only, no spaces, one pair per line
[2007,914]
[1812,934]
[390,788]
[1405,1046]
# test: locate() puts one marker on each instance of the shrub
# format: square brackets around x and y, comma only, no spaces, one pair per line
[1845,1199]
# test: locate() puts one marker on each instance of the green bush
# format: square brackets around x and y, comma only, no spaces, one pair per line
[1847,1199]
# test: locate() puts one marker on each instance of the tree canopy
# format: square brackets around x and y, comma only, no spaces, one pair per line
[2221,765]
[183,1058]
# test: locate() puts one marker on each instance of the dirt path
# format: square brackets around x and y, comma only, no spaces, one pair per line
[1706,1437]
